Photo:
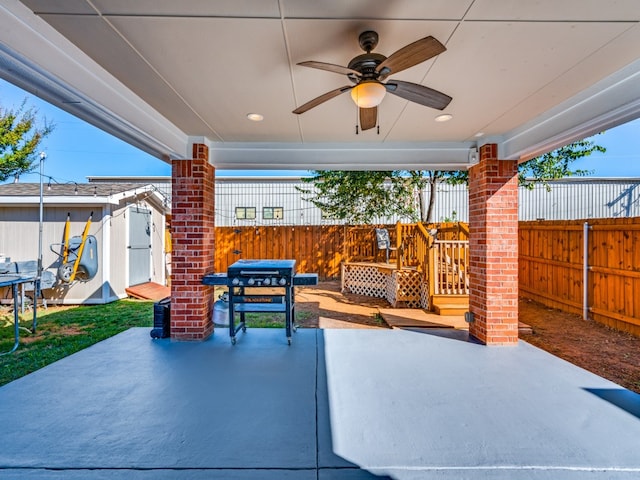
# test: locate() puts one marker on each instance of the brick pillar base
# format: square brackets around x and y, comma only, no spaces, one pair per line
[493,244]
[192,234]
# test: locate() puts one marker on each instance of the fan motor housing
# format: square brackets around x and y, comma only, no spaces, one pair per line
[366,64]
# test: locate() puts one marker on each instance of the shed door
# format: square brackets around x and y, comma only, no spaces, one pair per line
[139,246]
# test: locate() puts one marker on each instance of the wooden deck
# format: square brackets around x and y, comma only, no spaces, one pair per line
[149,291]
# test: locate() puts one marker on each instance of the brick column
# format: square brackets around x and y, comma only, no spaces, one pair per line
[193,243]
[493,244]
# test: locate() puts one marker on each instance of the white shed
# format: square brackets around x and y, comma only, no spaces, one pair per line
[128,222]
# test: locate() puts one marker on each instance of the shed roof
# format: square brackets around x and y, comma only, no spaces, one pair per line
[78,193]
[68,189]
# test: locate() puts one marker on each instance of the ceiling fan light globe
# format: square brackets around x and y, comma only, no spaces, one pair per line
[368,94]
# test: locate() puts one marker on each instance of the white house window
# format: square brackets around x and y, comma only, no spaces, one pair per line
[246,213]
[272,213]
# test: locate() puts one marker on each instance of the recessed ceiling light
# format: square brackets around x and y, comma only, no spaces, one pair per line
[255,117]
[445,117]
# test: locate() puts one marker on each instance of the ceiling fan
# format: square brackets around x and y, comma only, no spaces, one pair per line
[367,72]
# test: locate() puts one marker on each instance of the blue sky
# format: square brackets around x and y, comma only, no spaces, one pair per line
[76,149]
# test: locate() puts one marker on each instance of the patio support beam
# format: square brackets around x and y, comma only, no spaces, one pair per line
[493,245]
[193,242]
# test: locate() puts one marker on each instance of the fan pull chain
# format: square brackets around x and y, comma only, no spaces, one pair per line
[378,120]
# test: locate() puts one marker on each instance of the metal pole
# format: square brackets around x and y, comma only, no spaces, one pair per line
[585,271]
[42,157]
[36,285]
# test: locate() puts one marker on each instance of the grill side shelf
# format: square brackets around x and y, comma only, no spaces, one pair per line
[300,279]
[214,279]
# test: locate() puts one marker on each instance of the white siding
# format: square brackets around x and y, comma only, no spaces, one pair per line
[260,194]
[451,203]
[119,257]
[577,200]
[19,240]
[282,192]
[266,192]
[19,227]
[569,199]
[157,247]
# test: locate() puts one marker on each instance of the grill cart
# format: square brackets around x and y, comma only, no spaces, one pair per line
[261,286]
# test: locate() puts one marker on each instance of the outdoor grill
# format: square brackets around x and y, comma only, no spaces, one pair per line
[261,286]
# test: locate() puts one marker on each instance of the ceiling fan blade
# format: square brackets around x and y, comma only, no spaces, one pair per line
[410,55]
[419,94]
[368,118]
[330,67]
[321,99]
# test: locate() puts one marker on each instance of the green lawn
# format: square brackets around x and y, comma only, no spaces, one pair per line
[63,331]
[271,320]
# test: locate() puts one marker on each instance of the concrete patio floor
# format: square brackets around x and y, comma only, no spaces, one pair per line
[337,404]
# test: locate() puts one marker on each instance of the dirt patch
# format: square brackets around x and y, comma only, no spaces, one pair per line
[595,347]
[606,352]
[52,331]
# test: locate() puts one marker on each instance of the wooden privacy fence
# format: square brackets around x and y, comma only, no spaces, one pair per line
[552,264]
[322,248]
[316,248]
[553,268]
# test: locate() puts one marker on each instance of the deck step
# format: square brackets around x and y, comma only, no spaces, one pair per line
[450,304]
[451,308]
[458,299]
[524,329]
[417,317]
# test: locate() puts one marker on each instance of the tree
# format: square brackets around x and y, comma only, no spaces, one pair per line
[360,196]
[422,178]
[557,164]
[20,138]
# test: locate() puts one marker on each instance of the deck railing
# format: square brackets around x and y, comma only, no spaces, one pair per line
[450,266]
[440,252]
[442,262]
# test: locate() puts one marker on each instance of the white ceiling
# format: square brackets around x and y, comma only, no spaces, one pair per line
[529,76]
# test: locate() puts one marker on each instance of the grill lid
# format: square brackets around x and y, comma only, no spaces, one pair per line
[262,267]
